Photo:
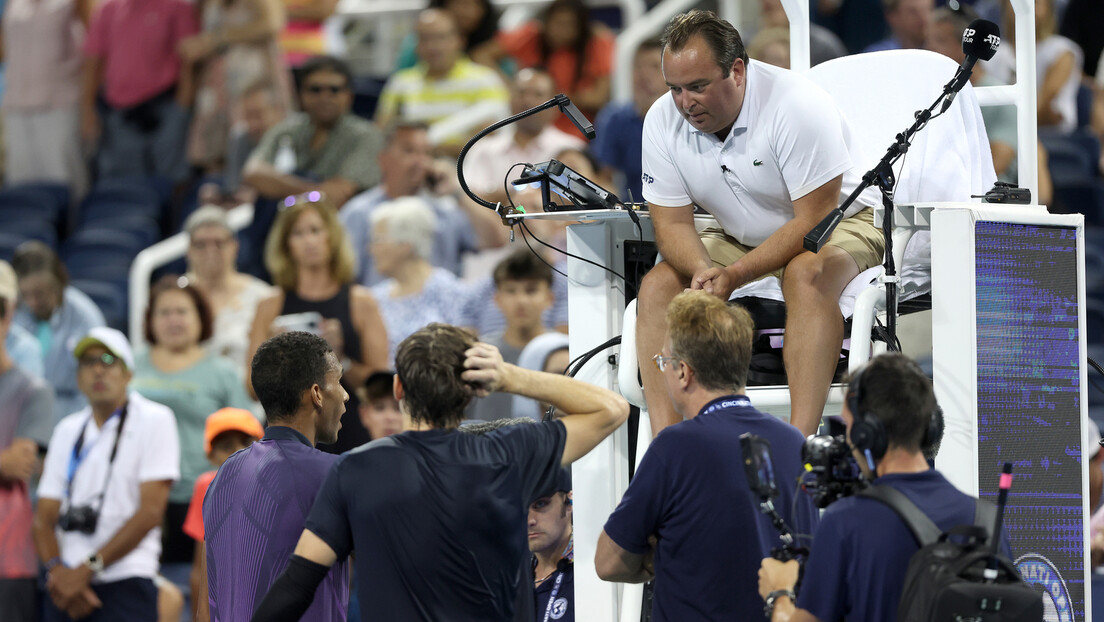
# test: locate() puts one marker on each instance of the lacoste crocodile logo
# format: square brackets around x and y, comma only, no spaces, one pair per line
[757,163]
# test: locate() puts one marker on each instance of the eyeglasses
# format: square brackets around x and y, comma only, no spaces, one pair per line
[106,359]
[661,362]
[217,244]
[314,196]
[318,89]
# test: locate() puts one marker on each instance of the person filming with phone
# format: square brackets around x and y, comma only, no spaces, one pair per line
[689,512]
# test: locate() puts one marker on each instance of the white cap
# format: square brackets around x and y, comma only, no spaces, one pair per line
[115,342]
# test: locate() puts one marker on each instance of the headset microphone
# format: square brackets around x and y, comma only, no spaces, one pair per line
[980,40]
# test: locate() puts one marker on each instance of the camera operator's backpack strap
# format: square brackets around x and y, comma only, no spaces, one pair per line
[922,527]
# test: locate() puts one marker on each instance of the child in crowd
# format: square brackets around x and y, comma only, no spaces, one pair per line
[227,431]
[523,291]
[379,410]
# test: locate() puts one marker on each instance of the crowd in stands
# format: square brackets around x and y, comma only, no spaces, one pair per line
[127,122]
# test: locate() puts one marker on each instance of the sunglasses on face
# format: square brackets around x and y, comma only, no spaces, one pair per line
[106,359]
[318,89]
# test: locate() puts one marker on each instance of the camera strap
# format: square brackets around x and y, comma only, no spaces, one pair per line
[78,456]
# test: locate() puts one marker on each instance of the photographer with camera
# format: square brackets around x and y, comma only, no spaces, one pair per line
[690,505]
[104,488]
[859,559]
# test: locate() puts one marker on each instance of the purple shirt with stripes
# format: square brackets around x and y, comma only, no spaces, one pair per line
[253,516]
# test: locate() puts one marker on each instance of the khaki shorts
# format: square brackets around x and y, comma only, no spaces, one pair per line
[857,236]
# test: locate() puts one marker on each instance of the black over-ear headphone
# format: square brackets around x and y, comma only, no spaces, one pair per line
[868,433]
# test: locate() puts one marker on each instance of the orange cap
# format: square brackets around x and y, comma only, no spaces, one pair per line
[228,420]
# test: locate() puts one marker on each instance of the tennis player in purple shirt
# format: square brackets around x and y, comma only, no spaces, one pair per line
[254,511]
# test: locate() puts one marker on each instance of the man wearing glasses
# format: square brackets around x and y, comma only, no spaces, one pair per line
[689,518]
[104,488]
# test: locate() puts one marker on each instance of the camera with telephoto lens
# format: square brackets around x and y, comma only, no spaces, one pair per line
[831,472]
[81,518]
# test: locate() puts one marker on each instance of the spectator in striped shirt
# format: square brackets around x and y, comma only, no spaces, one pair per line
[454,95]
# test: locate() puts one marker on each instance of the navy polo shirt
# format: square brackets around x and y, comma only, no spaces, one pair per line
[691,491]
[857,566]
[438,519]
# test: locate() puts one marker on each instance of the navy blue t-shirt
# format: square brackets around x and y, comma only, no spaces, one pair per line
[691,491]
[438,519]
[857,566]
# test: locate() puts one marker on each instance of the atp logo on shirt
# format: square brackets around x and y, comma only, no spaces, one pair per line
[646,178]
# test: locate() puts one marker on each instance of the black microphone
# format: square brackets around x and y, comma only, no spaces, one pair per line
[980,40]
[580,121]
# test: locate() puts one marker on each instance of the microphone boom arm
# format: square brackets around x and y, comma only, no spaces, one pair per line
[559,100]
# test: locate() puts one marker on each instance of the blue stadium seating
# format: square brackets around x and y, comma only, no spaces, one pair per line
[1081,195]
[110,238]
[8,243]
[137,224]
[27,200]
[109,297]
[35,229]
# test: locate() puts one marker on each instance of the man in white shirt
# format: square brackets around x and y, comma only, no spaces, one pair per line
[767,153]
[104,488]
[533,139]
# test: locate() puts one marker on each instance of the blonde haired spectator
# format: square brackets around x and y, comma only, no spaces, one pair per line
[311,262]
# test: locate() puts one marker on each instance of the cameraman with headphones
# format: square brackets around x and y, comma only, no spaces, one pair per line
[861,552]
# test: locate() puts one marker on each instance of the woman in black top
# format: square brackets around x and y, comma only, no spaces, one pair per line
[311,262]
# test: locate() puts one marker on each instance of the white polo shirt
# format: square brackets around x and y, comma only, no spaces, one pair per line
[149,450]
[789,139]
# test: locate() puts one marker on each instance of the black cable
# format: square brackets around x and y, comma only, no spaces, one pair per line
[1095,365]
[525,229]
[1099,370]
[506,182]
[577,363]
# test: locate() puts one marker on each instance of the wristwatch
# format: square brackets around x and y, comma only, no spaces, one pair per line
[775,595]
[95,563]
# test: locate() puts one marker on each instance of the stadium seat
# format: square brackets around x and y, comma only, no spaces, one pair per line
[109,297]
[1079,195]
[1067,158]
[8,243]
[121,196]
[39,230]
[140,225]
[1084,105]
[26,198]
[106,238]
